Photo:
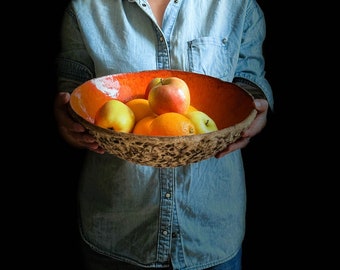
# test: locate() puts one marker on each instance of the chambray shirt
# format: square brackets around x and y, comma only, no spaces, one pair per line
[193,216]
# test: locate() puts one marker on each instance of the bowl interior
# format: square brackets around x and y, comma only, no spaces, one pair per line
[224,102]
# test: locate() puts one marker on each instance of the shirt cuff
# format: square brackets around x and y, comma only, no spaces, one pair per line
[250,88]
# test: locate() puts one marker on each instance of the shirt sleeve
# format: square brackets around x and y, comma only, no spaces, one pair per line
[73,64]
[251,62]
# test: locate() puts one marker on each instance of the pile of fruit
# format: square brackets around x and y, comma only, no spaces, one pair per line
[165,110]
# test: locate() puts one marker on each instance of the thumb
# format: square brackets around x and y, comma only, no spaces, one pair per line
[261,105]
[62,98]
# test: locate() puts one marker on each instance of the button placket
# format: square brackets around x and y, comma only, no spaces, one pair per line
[166,213]
[163,55]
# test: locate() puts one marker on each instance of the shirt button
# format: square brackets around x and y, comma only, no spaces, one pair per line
[224,40]
[165,233]
[161,39]
[168,195]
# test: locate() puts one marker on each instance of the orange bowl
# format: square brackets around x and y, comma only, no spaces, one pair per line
[230,106]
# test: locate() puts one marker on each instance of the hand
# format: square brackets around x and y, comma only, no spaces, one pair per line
[256,127]
[72,132]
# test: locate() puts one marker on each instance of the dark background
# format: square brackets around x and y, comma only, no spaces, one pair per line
[46,169]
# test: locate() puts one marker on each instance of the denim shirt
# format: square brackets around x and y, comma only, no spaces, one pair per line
[193,216]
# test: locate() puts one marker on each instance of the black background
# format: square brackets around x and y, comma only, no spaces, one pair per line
[44,170]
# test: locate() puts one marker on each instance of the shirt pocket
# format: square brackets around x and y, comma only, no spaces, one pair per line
[212,56]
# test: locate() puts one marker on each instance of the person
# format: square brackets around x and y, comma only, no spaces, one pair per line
[137,217]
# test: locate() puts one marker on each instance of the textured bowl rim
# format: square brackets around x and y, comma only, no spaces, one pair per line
[108,139]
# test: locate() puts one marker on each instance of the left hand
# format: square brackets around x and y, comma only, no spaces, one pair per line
[260,121]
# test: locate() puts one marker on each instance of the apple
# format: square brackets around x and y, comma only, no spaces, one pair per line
[170,94]
[203,123]
[150,85]
[192,108]
[115,114]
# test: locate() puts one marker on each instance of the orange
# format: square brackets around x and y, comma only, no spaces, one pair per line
[171,124]
[140,107]
[142,127]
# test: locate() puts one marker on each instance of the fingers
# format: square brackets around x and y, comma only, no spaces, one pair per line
[65,122]
[239,144]
[260,120]
[61,99]
[73,132]
[60,103]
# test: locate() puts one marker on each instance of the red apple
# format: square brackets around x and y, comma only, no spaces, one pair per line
[150,85]
[170,94]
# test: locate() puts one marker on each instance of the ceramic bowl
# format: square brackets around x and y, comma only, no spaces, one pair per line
[230,106]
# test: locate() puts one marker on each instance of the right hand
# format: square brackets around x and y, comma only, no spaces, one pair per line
[73,132]
[256,127]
